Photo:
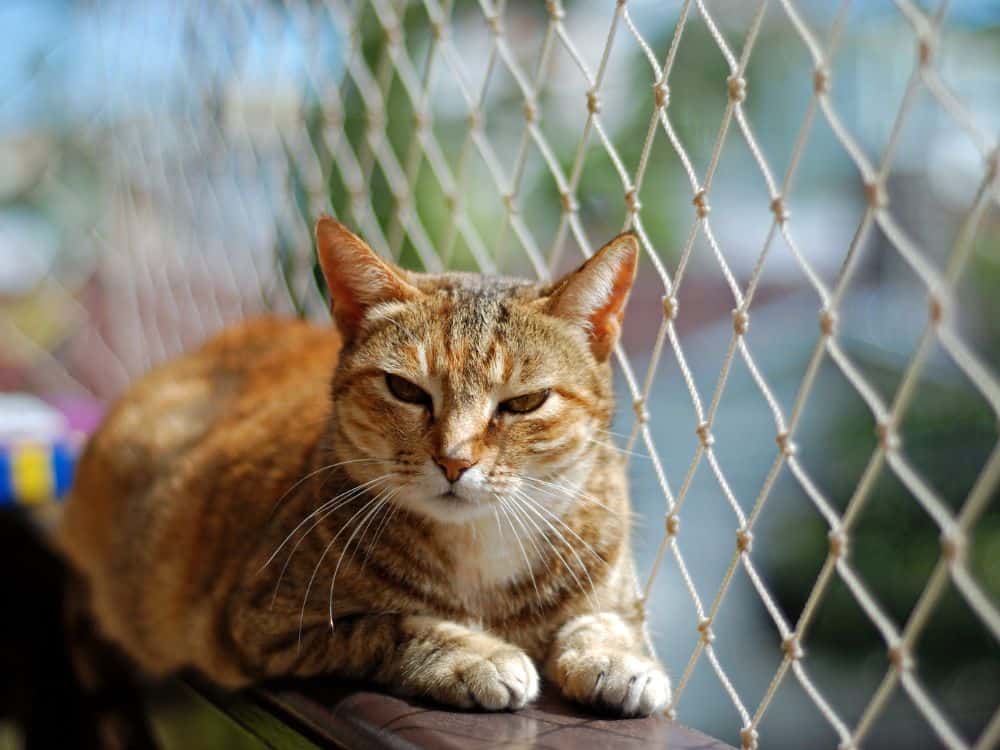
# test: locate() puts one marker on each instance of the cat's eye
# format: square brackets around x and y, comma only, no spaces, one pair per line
[526,403]
[406,391]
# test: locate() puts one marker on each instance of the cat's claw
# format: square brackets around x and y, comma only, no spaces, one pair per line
[619,682]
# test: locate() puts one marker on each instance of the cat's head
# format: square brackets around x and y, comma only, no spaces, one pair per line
[455,389]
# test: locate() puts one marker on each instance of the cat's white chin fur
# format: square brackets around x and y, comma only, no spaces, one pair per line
[450,509]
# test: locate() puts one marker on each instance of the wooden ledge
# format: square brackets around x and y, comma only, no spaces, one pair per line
[326,714]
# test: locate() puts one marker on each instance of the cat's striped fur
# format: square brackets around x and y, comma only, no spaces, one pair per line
[239,498]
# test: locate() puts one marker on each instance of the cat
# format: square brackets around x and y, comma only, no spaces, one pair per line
[424,495]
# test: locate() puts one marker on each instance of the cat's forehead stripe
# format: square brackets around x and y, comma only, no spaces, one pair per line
[420,354]
[497,367]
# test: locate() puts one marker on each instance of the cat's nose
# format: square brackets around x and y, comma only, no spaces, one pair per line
[453,468]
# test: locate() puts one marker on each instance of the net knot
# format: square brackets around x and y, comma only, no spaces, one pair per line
[530,111]
[593,102]
[420,120]
[925,49]
[744,540]
[705,629]
[821,80]
[438,29]
[569,203]
[827,322]
[779,209]
[661,93]
[935,308]
[900,658]
[838,543]
[451,201]
[741,321]
[672,524]
[494,22]
[639,608]
[670,307]
[393,37]
[475,120]
[632,201]
[737,86]
[402,197]
[374,119]
[509,203]
[639,407]
[555,9]
[786,445]
[792,648]
[888,438]
[748,738]
[700,202]
[705,435]
[952,544]
[875,194]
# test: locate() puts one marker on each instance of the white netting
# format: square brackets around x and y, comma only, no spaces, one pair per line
[406,131]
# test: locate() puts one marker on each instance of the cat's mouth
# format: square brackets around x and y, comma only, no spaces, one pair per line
[454,505]
[456,497]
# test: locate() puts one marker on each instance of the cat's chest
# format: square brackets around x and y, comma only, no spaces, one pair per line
[487,558]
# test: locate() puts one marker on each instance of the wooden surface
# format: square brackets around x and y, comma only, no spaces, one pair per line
[328,714]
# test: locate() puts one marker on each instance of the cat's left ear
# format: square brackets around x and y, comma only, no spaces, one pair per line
[594,295]
[358,279]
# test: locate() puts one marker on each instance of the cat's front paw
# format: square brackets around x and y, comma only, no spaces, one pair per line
[494,680]
[619,682]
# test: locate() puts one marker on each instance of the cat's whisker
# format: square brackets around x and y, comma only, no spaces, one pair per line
[320,470]
[554,516]
[616,449]
[621,435]
[551,545]
[320,510]
[327,511]
[361,527]
[507,511]
[386,520]
[496,515]
[326,550]
[566,491]
[378,526]
[589,594]
[507,500]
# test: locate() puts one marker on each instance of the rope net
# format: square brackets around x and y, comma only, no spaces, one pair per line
[437,130]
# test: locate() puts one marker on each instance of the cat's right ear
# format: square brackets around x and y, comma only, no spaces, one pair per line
[358,279]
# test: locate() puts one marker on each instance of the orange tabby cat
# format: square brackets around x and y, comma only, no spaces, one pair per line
[420,501]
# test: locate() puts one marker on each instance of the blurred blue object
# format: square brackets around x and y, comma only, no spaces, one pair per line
[37,451]
[32,473]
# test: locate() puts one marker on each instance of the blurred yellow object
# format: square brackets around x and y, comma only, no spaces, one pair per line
[32,474]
